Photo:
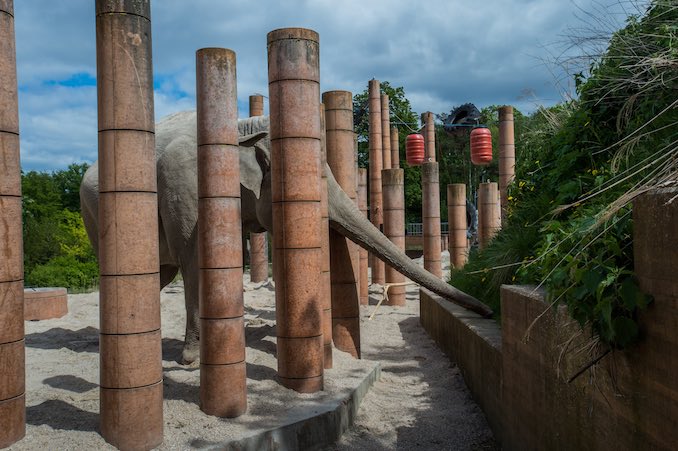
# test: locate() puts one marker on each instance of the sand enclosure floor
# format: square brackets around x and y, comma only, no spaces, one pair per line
[421,401]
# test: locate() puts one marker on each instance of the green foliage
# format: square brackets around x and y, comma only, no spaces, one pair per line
[57,251]
[68,185]
[569,226]
[64,271]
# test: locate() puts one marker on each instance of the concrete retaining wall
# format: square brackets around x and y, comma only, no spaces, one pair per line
[629,400]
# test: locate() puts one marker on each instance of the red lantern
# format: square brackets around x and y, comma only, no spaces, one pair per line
[414,149]
[481,146]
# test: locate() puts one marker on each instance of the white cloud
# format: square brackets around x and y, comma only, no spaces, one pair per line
[443,52]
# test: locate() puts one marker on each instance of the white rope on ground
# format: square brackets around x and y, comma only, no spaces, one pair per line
[385,296]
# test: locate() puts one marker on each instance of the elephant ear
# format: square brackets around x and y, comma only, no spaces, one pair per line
[254,161]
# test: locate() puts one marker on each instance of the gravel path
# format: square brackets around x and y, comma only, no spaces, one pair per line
[421,401]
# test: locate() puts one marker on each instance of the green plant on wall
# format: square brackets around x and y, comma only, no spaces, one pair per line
[569,226]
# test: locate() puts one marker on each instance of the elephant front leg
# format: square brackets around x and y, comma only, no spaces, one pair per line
[191,351]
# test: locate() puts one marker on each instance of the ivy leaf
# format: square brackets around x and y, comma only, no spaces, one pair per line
[632,296]
[625,331]
[591,280]
[559,276]
[580,292]
[613,246]
[605,307]
[569,191]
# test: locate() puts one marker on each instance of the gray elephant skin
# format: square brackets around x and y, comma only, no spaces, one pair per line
[176,154]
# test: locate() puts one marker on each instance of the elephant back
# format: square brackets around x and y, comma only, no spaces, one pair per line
[184,125]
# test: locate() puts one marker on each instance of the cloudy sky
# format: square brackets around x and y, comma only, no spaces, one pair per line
[443,52]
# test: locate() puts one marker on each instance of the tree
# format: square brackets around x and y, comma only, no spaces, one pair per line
[68,183]
[56,249]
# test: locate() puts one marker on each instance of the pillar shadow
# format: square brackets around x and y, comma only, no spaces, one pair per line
[81,340]
[71,383]
[180,391]
[260,372]
[58,414]
[254,337]
[268,315]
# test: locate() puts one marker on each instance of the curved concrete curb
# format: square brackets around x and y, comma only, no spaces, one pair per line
[312,433]
[45,303]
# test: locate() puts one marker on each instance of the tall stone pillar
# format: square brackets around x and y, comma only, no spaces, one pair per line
[395,148]
[325,276]
[223,383]
[431,201]
[385,132]
[488,223]
[376,165]
[431,217]
[344,254]
[362,205]
[294,97]
[258,244]
[430,137]
[456,220]
[393,206]
[394,228]
[12,348]
[507,155]
[130,340]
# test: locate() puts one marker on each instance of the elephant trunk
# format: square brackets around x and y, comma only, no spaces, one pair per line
[347,220]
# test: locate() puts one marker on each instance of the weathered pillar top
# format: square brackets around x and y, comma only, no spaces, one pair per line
[7,7]
[140,8]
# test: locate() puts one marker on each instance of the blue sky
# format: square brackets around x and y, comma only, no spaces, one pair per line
[443,52]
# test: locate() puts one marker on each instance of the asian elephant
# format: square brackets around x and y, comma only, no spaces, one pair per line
[176,154]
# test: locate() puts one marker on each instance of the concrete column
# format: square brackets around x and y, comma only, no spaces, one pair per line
[130,340]
[395,148]
[376,165]
[394,227]
[507,155]
[344,254]
[429,137]
[325,278]
[456,220]
[431,217]
[258,244]
[488,225]
[223,388]
[386,132]
[357,203]
[294,96]
[362,205]
[498,211]
[12,349]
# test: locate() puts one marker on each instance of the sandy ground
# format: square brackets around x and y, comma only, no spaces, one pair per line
[420,402]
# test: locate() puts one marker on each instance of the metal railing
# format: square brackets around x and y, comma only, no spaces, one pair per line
[415,228]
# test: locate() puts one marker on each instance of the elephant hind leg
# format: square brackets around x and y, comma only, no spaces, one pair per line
[191,352]
[167,274]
